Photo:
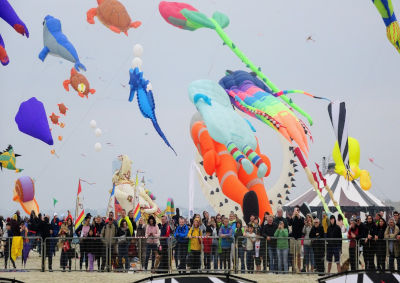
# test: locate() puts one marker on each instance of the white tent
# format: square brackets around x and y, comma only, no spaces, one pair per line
[349,194]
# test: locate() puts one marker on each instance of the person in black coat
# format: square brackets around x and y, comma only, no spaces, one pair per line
[317,236]
[381,244]
[370,235]
[268,231]
[297,223]
[123,235]
[334,246]
[100,252]
[46,232]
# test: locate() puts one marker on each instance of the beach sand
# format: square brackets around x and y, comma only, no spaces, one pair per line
[36,277]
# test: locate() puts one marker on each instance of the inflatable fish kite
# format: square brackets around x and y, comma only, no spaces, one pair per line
[8,14]
[8,159]
[145,99]
[56,43]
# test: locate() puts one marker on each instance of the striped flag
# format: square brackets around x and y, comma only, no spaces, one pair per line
[111,202]
[337,114]
[137,214]
[79,211]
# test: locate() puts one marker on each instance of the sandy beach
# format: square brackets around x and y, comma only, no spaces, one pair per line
[36,277]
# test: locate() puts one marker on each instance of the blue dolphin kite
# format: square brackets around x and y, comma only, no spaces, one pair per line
[145,99]
[56,43]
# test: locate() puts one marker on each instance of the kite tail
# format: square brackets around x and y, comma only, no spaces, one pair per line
[160,132]
[393,34]
[284,92]
[79,65]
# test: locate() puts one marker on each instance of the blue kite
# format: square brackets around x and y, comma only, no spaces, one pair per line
[145,99]
[56,43]
[32,120]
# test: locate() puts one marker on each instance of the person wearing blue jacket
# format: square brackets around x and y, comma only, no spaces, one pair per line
[182,244]
[226,236]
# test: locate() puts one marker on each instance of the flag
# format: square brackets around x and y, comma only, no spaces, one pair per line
[111,202]
[137,214]
[79,211]
[54,202]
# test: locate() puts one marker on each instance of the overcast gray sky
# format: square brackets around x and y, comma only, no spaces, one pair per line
[351,59]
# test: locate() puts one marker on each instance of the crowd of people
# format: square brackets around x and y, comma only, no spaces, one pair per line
[207,242]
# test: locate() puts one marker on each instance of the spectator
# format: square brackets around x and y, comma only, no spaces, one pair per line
[239,233]
[250,240]
[55,227]
[65,234]
[141,247]
[152,235]
[90,246]
[165,231]
[123,234]
[7,238]
[107,234]
[352,235]
[128,222]
[82,244]
[215,242]
[268,233]
[46,232]
[206,218]
[176,217]
[133,222]
[369,243]
[207,246]
[381,245]
[334,246]
[33,227]
[308,264]
[257,251]
[396,219]
[180,235]
[393,234]
[282,246]
[341,224]
[226,235]
[218,222]
[99,251]
[317,236]
[195,245]
[297,223]
[279,217]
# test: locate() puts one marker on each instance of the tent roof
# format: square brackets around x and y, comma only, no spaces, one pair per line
[347,193]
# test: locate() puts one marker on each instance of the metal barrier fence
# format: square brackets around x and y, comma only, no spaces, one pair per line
[15,251]
[233,255]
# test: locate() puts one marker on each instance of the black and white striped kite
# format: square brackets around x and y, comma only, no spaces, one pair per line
[337,114]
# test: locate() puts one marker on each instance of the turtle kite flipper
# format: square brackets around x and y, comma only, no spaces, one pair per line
[160,132]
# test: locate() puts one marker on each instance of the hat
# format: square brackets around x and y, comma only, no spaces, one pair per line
[55,214]
[88,215]
[24,193]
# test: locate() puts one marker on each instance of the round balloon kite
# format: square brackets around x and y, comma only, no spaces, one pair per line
[24,193]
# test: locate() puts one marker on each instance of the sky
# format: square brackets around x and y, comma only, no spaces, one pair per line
[350,60]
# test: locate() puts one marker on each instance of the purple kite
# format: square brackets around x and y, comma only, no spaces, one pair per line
[8,14]
[32,120]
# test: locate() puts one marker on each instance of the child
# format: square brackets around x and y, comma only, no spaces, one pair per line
[207,243]
[7,237]
[90,244]
[251,238]
[257,245]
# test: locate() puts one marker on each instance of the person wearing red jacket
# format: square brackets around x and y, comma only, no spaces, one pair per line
[207,245]
[352,235]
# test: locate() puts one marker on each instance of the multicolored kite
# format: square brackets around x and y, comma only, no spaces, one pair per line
[8,159]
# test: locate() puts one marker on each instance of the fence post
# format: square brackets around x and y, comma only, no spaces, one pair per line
[357,259]
[43,251]
[170,255]
[235,255]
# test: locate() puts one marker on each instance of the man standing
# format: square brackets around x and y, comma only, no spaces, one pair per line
[369,243]
[165,230]
[268,232]
[297,223]
[107,234]
[182,244]
[279,217]
[334,246]
[396,218]
[317,236]
[128,222]
[133,222]
[226,235]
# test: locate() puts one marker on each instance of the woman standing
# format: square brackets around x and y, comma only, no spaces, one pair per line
[282,246]
[194,236]
[123,244]
[141,246]
[381,245]
[308,264]
[352,235]
[152,235]
[215,242]
[239,233]
[82,242]
[65,234]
